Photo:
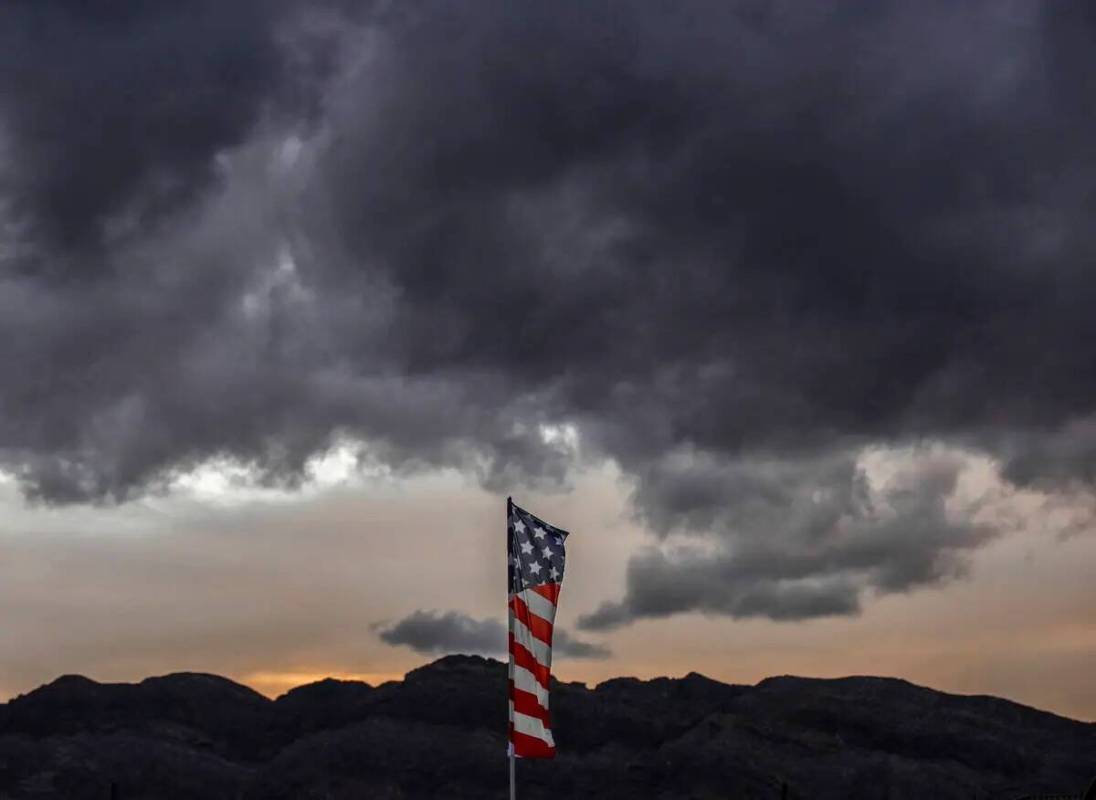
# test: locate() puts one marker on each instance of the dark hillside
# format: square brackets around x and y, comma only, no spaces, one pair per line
[438,734]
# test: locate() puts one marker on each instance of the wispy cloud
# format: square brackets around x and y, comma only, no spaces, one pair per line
[434,632]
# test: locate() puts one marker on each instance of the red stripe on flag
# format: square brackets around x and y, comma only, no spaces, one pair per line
[527,704]
[526,746]
[549,591]
[523,658]
[538,626]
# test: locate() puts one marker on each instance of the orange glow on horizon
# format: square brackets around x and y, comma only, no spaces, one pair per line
[272,684]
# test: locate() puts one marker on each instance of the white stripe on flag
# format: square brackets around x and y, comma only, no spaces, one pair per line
[527,682]
[539,605]
[531,726]
[522,635]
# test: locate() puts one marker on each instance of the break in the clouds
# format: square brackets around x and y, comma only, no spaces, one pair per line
[434,632]
[728,246]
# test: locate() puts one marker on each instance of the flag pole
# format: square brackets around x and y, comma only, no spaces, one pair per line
[509,744]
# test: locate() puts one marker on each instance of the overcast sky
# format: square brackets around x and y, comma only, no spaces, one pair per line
[783,309]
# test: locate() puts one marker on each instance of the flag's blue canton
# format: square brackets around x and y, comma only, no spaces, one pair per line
[534,549]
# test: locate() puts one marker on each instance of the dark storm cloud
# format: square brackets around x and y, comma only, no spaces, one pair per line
[114,112]
[432,632]
[711,237]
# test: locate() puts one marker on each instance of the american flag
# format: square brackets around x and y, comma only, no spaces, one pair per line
[535,553]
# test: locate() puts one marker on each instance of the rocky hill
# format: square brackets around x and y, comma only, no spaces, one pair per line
[439,734]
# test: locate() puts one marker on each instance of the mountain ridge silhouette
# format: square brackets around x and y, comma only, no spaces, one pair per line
[440,733]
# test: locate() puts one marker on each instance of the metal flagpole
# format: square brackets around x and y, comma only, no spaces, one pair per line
[509,744]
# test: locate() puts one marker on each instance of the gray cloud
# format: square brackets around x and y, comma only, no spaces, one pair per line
[792,540]
[1053,459]
[759,233]
[432,632]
